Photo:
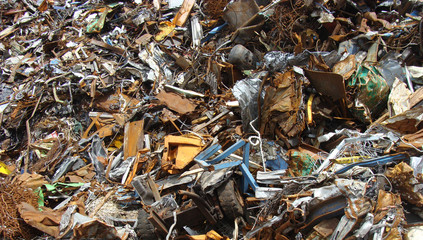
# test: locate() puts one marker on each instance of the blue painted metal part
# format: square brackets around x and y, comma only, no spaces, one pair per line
[228,152]
[375,162]
[248,179]
[247,175]
[208,152]
[203,156]
[213,32]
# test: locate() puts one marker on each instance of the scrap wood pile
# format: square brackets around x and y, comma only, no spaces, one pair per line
[184,119]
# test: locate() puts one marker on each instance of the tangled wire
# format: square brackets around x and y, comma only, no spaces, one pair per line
[12,194]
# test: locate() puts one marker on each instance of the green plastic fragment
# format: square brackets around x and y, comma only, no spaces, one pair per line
[54,188]
[40,194]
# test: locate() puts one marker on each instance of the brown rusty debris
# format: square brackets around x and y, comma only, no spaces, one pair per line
[211,119]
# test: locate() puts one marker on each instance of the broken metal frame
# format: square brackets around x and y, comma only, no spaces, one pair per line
[213,164]
[199,212]
[337,150]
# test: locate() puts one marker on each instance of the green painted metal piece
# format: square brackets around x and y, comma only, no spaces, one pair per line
[373,92]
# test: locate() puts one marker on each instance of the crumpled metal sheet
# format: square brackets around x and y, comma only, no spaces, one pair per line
[388,211]
[277,61]
[94,229]
[238,12]
[365,226]
[372,93]
[282,109]
[209,181]
[407,122]
[70,67]
[343,228]
[300,163]
[69,164]
[33,180]
[385,201]
[99,158]
[246,91]
[358,204]
[413,140]
[402,178]
[346,67]
[398,98]
[414,233]
[326,227]
[116,103]
[47,221]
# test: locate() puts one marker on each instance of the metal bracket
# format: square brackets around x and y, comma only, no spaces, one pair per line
[213,164]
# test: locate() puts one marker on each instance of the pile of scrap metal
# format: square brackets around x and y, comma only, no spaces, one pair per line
[211,119]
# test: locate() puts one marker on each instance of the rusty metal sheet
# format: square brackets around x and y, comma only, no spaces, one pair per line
[47,221]
[407,122]
[327,83]
[116,103]
[133,138]
[239,12]
[117,50]
[412,140]
[180,152]
[346,67]
[32,180]
[94,229]
[105,131]
[402,178]
[281,111]
[176,102]
[326,227]
[385,201]
[416,97]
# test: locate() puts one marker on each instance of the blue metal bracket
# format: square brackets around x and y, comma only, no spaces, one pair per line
[213,164]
